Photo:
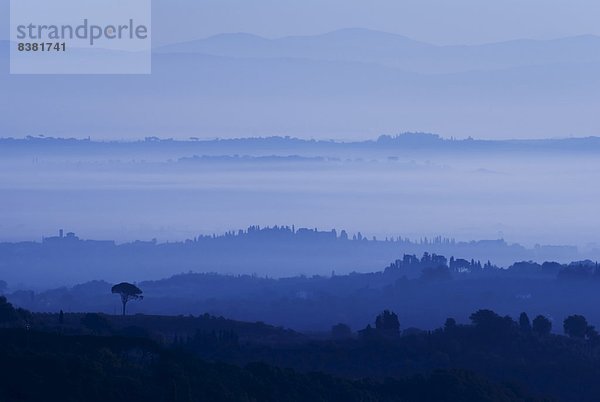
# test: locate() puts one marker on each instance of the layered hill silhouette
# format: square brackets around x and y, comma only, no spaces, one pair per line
[344,84]
[392,50]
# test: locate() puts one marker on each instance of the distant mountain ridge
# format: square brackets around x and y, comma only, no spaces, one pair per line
[346,84]
[392,50]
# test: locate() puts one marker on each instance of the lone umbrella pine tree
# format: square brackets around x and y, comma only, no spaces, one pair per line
[127,292]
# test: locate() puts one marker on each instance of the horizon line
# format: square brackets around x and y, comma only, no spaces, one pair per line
[373,30]
[366,30]
[381,137]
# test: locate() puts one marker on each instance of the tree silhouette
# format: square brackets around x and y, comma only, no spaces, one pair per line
[127,292]
[541,325]
[7,311]
[387,323]
[524,323]
[450,324]
[490,323]
[575,326]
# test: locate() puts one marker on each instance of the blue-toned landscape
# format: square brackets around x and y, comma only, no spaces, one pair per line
[310,201]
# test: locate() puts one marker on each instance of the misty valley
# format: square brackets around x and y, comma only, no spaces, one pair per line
[299,201]
[410,267]
[410,185]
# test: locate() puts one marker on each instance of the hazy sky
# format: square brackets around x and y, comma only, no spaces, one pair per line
[511,103]
[437,21]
